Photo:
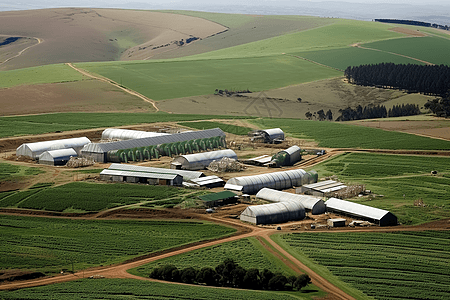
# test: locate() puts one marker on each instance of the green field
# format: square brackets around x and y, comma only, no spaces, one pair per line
[395,265]
[400,179]
[38,124]
[49,245]
[166,79]
[13,172]
[338,135]
[238,130]
[432,49]
[36,75]
[86,197]
[116,289]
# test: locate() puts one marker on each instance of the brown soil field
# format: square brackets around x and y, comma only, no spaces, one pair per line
[408,31]
[79,96]
[10,51]
[85,34]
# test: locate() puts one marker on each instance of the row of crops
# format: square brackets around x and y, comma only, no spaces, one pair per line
[169,149]
[395,265]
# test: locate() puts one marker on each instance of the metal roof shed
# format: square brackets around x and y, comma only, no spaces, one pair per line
[199,161]
[187,175]
[33,150]
[274,134]
[372,214]
[126,134]
[138,177]
[220,198]
[209,181]
[273,213]
[313,204]
[57,157]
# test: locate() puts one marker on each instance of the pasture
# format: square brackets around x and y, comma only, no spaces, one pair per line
[48,245]
[202,125]
[14,172]
[389,265]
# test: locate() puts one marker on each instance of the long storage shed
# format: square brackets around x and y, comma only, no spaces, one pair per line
[139,177]
[273,213]
[200,161]
[310,203]
[187,175]
[127,134]
[33,150]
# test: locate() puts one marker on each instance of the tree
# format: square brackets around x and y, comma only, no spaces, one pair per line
[188,275]
[321,115]
[291,280]
[207,276]
[329,115]
[302,281]
[277,282]
[224,270]
[251,279]
[167,271]
[265,276]
[308,115]
[238,275]
[156,273]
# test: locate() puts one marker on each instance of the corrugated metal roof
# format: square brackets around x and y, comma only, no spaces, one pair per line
[207,180]
[292,150]
[126,134]
[234,187]
[326,186]
[205,158]
[309,202]
[356,209]
[274,132]
[217,196]
[139,174]
[35,149]
[152,141]
[274,212]
[188,175]
[263,159]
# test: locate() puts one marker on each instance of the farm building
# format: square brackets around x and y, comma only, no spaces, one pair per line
[271,136]
[321,188]
[139,177]
[310,203]
[287,157]
[219,199]
[336,222]
[57,157]
[33,150]
[126,134]
[258,161]
[371,214]
[200,161]
[187,175]
[273,213]
[209,182]
[153,147]
[276,180]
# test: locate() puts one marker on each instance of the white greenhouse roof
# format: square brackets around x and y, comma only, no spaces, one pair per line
[356,209]
[126,134]
[292,150]
[207,180]
[139,174]
[188,175]
[207,157]
[35,149]
[53,155]
[274,132]
[277,196]
[273,208]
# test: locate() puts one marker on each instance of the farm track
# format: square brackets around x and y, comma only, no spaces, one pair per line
[22,51]
[131,92]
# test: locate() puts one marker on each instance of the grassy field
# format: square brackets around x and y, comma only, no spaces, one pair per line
[116,289]
[13,172]
[38,124]
[238,130]
[160,80]
[396,265]
[338,135]
[36,75]
[49,245]
[400,179]
[432,49]
[85,197]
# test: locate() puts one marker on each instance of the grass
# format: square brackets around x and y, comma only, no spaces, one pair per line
[238,130]
[400,179]
[227,20]
[48,245]
[395,265]
[341,135]
[432,49]
[38,75]
[116,289]
[13,172]
[38,124]
[167,79]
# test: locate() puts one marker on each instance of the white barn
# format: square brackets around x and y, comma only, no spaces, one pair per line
[33,150]
[57,157]
[273,213]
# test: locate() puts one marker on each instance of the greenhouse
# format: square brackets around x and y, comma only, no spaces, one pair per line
[57,157]
[187,175]
[277,180]
[33,150]
[310,203]
[154,147]
[126,134]
[273,213]
[272,136]
[287,157]
[356,210]
[200,161]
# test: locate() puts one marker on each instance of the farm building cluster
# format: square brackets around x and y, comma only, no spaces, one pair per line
[193,152]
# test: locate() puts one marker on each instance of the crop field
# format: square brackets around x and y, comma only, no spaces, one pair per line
[136,289]
[401,180]
[432,49]
[9,171]
[38,124]
[36,75]
[337,135]
[238,130]
[166,79]
[248,253]
[395,265]
[49,245]
[84,197]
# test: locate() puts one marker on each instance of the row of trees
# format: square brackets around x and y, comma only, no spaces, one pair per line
[412,22]
[230,274]
[379,111]
[431,80]
[440,107]
[320,115]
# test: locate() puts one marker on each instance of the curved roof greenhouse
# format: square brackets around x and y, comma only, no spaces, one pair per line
[57,157]
[126,134]
[33,150]
[313,204]
[199,161]
[273,213]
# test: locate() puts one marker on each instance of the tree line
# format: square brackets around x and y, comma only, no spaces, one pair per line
[230,274]
[428,79]
[412,22]
[379,111]
[440,107]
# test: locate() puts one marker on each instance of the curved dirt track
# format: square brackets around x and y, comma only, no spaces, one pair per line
[22,51]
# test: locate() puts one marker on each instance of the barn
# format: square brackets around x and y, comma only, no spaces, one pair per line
[57,157]
[126,134]
[276,180]
[219,199]
[271,136]
[33,150]
[313,204]
[273,213]
[138,177]
[356,210]
[200,161]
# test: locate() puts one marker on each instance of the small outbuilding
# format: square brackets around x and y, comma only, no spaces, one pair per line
[219,199]
[336,222]
[322,188]
[57,157]
[209,182]
[313,204]
[271,136]
[273,213]
[200,161]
